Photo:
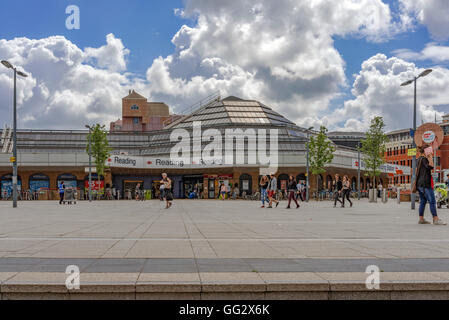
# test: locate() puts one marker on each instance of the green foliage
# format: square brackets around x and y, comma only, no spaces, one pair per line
[100,149]
[321,152]
[373,148]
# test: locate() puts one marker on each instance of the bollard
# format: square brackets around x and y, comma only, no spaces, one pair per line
[375,195]
[384,196]
[371,195]
[399,195]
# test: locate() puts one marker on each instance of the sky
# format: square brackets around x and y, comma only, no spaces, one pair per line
[317,62]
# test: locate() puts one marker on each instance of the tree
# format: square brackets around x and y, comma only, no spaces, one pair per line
[100,149]
[321,153]
[373,148]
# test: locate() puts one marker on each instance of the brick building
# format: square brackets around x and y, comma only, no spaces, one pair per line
[397,153]
[139,115]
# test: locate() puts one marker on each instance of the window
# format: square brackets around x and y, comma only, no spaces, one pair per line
[134,107]
[136,120]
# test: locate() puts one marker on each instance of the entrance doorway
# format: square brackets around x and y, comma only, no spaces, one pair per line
[211,188]
[189,183]
[129,187]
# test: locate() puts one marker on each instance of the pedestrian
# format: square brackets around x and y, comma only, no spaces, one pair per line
[137,192]
[167,192]
[61,192]
[235,191]
[337,186]
[299,188]
[447,181]
[291,186]
[423,185]
[272,188]
[223,191]
[263,183]
[195,190]
[346,190]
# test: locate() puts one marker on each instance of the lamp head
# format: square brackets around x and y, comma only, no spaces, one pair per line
[406,83]
[425,73]
[22,74]
[6,64]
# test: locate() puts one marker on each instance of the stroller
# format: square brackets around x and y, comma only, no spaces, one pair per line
[441,195]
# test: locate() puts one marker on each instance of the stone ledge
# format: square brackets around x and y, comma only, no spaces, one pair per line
[290,290]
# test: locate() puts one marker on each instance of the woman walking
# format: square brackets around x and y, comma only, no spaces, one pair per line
[346,191]
[263,189]
[424,185]
[167,193]
[337,186]
[223,191]
[291,191]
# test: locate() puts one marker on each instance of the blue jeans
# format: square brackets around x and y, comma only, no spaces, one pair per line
[427,195]
[263,195]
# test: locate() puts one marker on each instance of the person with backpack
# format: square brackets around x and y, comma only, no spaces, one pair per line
[423,184]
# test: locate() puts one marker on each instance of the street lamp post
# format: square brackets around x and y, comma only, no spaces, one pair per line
[90,165]
[14,168]
[358,170]
[406,83]
[307,165]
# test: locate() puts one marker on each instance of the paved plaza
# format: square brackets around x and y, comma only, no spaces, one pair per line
[213,241]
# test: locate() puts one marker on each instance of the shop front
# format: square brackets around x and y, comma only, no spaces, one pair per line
[190,183]
[39,182]
[6,186]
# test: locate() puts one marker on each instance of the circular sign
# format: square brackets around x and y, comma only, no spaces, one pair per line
[428,136]
[429,133]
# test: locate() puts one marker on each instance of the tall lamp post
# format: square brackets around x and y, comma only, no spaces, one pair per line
[406,83]
[90,164]
[307,165]
[14,168]
[358,170]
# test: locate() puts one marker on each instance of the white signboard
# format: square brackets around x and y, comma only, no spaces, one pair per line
[386,167]
[143,162]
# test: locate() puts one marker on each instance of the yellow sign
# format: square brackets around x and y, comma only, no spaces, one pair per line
[12,159]
[411,152]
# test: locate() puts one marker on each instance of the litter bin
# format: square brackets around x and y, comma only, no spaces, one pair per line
[69,196]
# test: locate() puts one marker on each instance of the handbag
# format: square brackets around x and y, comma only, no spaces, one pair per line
[414,189]
[168,195]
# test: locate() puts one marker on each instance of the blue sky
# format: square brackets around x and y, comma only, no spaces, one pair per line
[146,27]
[207,56]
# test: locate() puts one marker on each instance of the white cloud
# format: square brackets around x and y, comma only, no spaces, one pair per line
[279,52]
[62,90]
[377,91]
[432,13]
[432,51]
[111,56]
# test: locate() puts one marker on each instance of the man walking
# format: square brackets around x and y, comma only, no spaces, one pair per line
[272,190]
[61,192]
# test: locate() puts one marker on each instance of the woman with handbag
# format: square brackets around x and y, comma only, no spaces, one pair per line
[167,193]
[423,184]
